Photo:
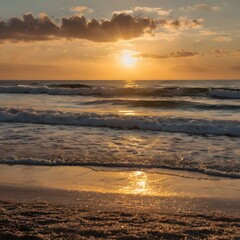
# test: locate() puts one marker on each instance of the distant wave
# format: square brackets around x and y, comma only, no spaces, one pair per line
[146,167]
[86,90]
[180,125]
[168,104]
[69,85]
[225,94]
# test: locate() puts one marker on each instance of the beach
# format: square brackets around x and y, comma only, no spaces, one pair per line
[104,160]
[85,203]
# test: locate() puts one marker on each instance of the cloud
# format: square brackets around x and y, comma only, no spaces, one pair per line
[181,23]
[182,53]
[119,27]
[146,12]
[223,39]
[236,53]
[159,13]
[207,32]
[168,36]
[218,52]
[30,28]
[201,7]
[81,9]
[217,36]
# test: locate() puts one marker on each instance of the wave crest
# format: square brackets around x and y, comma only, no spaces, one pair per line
[180,125]
[86,90]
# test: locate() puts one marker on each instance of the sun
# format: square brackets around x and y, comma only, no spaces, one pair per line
[127,59]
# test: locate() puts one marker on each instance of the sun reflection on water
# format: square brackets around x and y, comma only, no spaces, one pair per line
[127,112]
[130,84]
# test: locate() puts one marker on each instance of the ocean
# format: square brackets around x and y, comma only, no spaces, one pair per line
[177,125]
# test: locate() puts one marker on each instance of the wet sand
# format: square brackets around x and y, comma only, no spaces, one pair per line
[85,203]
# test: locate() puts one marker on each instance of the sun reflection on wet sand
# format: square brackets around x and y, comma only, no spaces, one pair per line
[138,183]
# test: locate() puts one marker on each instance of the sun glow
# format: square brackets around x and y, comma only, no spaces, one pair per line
[127,59]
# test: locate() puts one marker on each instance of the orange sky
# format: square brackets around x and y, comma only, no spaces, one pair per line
[138,40]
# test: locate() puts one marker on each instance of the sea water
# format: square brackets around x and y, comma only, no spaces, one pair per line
[181,125]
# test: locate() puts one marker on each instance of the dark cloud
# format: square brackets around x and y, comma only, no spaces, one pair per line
[29,28]
[120,26]
[183,53]
[178,54]
[181,23]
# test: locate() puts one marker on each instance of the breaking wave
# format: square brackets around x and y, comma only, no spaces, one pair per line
[87,90]
[152,123]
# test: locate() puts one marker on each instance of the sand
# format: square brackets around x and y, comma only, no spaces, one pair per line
[84,203]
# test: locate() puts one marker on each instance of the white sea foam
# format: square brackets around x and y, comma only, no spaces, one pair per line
[180,125]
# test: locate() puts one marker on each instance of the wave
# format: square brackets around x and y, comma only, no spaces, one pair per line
[225,94]
[153,123]
[165,104]
[70,85]
[60,90]
[146,167]
[86,90]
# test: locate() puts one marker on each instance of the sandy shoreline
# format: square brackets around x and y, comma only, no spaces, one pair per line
[32,208]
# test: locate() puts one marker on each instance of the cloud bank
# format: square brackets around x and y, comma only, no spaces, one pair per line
[119,27]
[122,26]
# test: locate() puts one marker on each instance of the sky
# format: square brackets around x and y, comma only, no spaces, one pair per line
[119,39]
